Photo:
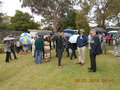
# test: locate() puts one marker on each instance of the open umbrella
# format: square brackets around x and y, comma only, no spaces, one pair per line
[112,32]
[43,32]
[25,34]
[73,39]
[99,30]
[17,38]
[8,38]
[25,40]
[67,34]
[68,31]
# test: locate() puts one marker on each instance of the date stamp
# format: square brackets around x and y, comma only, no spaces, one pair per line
[93,80]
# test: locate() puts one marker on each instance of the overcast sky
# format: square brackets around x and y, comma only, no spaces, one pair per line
[10,6]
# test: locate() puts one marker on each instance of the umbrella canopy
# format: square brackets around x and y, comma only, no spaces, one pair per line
[25,40]
[8,38]
[99,30]
[43,33]
[68,31]
[73,39]
[112,32]
[25,34]
[67,34]
[57,34]
[17,38]
[110,29]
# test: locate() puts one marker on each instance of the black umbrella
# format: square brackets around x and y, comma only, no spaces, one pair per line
[110,29]
[43,33]
[17,38]
[100,30]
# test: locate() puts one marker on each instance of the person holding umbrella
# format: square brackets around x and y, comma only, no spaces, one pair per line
[60,49]
[7,49]
[12,49]
[81,43]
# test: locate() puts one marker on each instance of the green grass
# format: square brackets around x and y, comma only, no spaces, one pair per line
[24,74]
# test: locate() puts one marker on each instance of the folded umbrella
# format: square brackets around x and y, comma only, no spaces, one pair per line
[25,40]
[73,39]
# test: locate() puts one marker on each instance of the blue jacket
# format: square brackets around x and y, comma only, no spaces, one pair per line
[82,41]
[95,45]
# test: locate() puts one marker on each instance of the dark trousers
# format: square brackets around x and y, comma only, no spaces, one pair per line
[93,61]
[73,54]
[67,50]
[7,56]
[18,50]
[60,52]
[13,51]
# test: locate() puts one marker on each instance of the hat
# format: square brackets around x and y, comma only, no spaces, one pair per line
[82,30]
[103,34]
[39,35]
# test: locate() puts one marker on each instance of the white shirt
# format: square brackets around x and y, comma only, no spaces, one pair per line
[33,43]
[89,38]
[18,44]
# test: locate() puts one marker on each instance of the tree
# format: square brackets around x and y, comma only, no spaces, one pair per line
[22,22]
[53,11]
[81,23]
[103,11]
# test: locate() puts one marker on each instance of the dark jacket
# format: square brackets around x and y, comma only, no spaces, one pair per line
[72,46]
[105,40]
[95,45]
[39,44]
[60,43]
[82,41]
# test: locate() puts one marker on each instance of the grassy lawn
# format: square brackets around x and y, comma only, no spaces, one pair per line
[24,74]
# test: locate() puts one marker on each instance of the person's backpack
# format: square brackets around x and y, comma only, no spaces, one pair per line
[118,41]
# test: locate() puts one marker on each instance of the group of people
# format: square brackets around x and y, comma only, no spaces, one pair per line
[80,45]
[42,47]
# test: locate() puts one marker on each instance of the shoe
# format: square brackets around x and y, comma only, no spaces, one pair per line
[78,63]
[91,71]
[82,64]
[60,67]
[89,68]
[16,58]
[10,59]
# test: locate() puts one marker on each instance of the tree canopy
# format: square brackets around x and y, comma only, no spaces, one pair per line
[103,11]
[53,11]
[22,22]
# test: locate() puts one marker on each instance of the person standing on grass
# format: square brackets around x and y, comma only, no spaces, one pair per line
[38,49]
[104,43]
[7,49]
[12,50]
[73,46]
[81,43]
[18,46]
[25,48]
[60,49]
[95,49]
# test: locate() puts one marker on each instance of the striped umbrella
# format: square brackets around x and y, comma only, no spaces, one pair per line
[25,40]
[25,34]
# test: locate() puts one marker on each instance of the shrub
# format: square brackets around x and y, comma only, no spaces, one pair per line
[1,49]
